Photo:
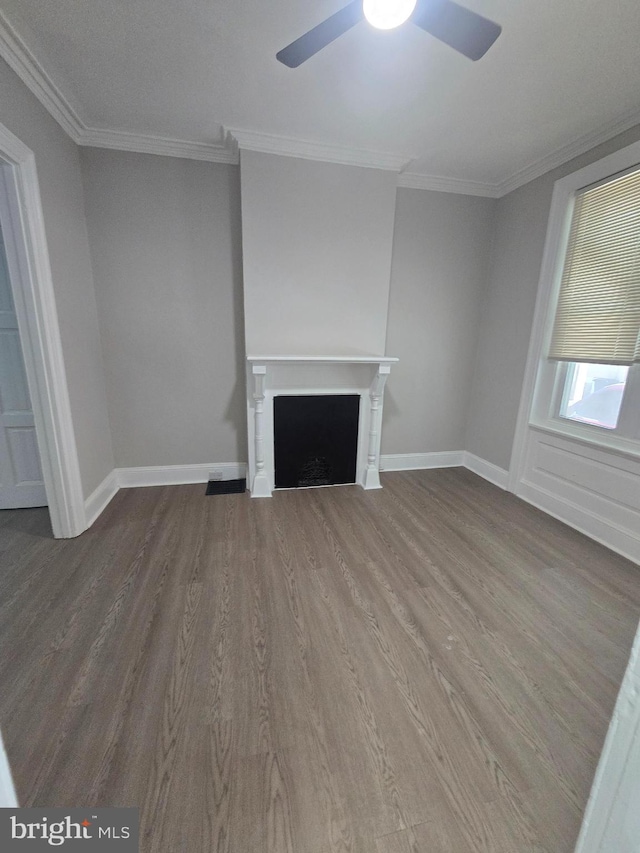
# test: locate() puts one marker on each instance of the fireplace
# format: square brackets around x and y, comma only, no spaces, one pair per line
[315,439]
[273,382]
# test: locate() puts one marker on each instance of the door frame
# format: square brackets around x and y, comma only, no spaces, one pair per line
[8,797]
[32,286]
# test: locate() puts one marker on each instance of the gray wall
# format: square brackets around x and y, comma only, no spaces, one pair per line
[58,167]
[508,304]
[441,249]
[317,241]
[165,243]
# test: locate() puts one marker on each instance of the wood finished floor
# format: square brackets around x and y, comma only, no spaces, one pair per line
[427,668]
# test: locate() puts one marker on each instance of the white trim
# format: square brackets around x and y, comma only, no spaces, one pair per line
[436,183]
[556,231]
[614,802]
[445,459]
[28,68]
[323,359]
[606,532]
[140,143]
[487,470]
[174,475]
[370,478]
[100,498]
[310,150]
[23,223]
[268,143]
[421,461]
[8,798]
[31,71]
[567,152]
[588,436]
[156,475]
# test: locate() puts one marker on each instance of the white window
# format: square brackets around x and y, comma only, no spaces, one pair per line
[592,393]
[588,382]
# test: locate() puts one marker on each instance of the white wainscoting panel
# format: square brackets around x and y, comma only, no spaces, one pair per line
[596,491]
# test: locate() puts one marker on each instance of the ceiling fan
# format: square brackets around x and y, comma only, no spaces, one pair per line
[460,28]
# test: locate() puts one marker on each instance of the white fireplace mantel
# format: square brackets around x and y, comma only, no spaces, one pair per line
[271,375]
[321,359]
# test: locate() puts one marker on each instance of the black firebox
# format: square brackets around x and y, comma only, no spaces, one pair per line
[315,439]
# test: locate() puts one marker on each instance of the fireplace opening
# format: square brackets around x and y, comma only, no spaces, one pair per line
[315,439]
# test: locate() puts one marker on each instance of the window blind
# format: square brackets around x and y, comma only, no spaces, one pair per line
[598,314]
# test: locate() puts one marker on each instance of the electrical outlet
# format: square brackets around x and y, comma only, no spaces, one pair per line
[215,475]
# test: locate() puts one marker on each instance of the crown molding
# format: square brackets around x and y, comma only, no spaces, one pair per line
[268,143]
[566,153]
[68,115]
[529,173]
[435,183]
[31,71]
[25,64]
[122,140]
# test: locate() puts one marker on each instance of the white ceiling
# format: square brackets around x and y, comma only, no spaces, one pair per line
[561,71]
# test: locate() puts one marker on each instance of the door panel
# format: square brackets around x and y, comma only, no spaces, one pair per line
[14,394]
[21,483]
[24,455]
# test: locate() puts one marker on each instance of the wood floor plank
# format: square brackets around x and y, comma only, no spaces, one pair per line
[465,775]
[476,582]
[403,841]
[429,668]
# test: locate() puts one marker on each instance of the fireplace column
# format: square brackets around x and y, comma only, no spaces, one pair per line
[372,472]
[260,487]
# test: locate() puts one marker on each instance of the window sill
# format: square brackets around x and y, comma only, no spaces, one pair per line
[589,435]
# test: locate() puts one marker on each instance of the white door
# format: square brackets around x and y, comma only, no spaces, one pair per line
[21,483]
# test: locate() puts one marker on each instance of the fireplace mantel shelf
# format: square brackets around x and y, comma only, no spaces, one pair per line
[323,359]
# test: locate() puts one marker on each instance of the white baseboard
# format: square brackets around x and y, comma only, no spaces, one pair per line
[98,500]
[176,475]
[487,470]
[609,534]
[445,459]
[420,461]
[173,475]
[160,475]
[613,536]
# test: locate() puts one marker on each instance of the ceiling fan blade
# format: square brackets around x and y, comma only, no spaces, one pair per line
[303,48]
[460,28]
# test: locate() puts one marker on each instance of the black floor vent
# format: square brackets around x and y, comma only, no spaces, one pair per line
[226,487]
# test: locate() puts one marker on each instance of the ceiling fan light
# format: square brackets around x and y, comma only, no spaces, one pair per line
[387,14]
